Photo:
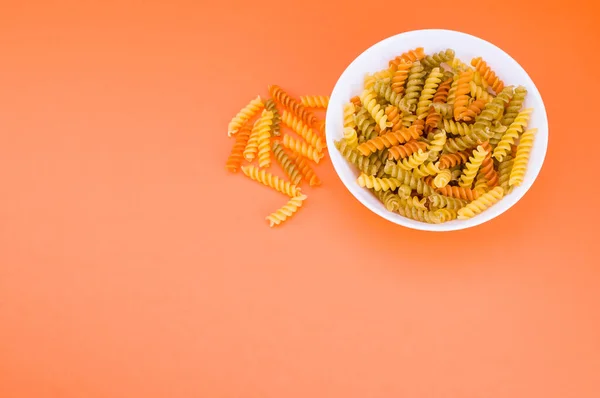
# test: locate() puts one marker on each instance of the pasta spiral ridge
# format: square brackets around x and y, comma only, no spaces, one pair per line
[512,133]
[459,192]
[283,98]
[454,145]
[429,89]
[472,167]
[264,177]
[432,120]
[426,169]
[442,178]
[400,76]
[315,101]
[492,110]
[414,160]
[449,160]
[387,140]
[425,216]
[414,86]
[302,148]
[481,184]
[368,98]
[378,184]
[447,202]
[367,164]
[487,166]
[356,101]
[488,74]
[461,99]
[459,65]
[517,174]
[309,135]
[408,120]
[237,152]
[244,115]
[514,106]
[498,130]
[438,141]
[372,79]
[413,201]
[481,204]
[287,164]
[276,126]
[452,92]
[403,151]
[264,138]
[286,211]
[445,110]
[435,60]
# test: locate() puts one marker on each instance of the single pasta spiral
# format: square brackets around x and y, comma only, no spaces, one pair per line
[492,110]
[468,141]
[350,137]
[441,94]
[442,178]
[434,61]
[479,93]
[387,140]
[315,101]
[367,164]
[433,120]
[459,65]
[415,84]
[307,172]
[349,110]
[487,166]
[403,151]
[446,214]
[303,130]
[237,152]
[484,202]
[459,192]
[517,174]
[404,191]
[276,127]
[365,124]
[408,120]
[429,89]
[447,202]
[414,160]
[452,91]
[252,145]
[378,184]
[462,94]
[302,148]
[504,169]
[456,128]
[368,98]
[244,115]
[472,167]
[285,212]
[371,80]
[283,98]
[287,164]
[511,135]
[514,106]
[488,74]
[449,160]
[383,88]
[270,180]
[400,76]
[498,130]
[264,138]
[445,110]
[394,116]
[479,80]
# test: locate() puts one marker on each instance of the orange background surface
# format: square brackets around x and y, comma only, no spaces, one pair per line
[133,265]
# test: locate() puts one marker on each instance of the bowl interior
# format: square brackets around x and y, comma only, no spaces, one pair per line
[466,47]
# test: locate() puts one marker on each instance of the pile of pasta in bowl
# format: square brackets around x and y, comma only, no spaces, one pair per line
[437,139]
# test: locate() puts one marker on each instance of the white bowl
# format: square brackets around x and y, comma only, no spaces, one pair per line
[466,47]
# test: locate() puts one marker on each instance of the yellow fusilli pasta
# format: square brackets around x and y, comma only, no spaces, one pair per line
[285,212]
[481,204]
[315,101]
[472,167]
[244,115]
[517,174]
